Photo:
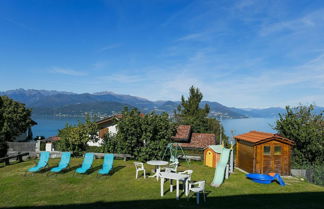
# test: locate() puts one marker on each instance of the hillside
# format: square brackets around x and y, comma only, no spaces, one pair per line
[44,102]
[94,108]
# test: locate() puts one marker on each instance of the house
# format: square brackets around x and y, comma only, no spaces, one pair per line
[26,135]
[260,152]
[190,140]
[108,124]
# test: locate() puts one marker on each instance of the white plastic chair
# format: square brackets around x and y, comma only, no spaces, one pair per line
[173,167]
[139,167]
[197,187]
[187,172]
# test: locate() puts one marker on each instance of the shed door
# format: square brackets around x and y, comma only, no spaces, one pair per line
[272,158]
[209,158]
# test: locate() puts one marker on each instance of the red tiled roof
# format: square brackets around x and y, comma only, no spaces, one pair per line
[257,137]
[200,140]
[183,133]
[52,139]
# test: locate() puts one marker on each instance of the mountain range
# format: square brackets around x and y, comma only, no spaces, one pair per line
[61,103]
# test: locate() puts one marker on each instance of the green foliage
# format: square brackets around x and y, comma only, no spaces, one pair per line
[145,137]
[318,175]
[110,144]
[75,138]
[15,118]
[3,148]
[307,130]
[94,149]
[189,113]
[42,146]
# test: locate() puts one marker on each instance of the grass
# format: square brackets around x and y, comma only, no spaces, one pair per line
[122,190]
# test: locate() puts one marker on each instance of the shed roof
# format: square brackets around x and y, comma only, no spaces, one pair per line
[200,140]
[183,133]
[258,137]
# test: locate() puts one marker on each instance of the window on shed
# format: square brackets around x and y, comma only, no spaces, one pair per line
[277,150]
[266,150]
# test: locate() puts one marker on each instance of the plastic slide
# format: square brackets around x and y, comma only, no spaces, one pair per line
[221,167]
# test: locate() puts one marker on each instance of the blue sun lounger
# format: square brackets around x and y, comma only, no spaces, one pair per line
[107,164]
[64,163]
[86,164]
[42,163]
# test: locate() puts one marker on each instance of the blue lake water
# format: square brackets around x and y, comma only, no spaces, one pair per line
[240,126]
[49,126]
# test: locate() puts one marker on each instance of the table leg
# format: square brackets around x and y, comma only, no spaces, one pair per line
[157,173]
[171,185]
[177,190]
[162,182]
[186,187]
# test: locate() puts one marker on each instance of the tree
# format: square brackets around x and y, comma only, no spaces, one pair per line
[75,138]
[307,130]
[190,113]
[144,137]
[14,120]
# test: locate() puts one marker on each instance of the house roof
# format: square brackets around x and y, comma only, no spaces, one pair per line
[258,137]
[52,139]
[109,119]
[199,140]
[183,133]
[113,117]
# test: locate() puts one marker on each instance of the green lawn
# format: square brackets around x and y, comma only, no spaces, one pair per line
[122,190]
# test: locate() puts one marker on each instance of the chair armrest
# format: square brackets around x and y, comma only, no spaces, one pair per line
[195,182]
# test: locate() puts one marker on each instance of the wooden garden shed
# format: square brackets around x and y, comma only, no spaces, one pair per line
[260,152]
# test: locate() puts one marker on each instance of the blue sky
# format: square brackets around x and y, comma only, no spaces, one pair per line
[251,53]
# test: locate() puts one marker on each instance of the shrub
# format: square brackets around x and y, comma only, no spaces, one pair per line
[75,138]
[144,137]
[318,174]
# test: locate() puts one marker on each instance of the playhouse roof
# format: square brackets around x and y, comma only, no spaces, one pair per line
[258,137]
[200,140]
[216,148]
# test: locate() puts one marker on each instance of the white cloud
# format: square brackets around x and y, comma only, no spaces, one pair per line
[301,24]
[65,71]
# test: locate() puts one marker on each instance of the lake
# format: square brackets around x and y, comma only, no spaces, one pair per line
[49,126]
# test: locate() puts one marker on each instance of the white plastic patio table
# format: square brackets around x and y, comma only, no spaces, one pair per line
[157,164]
[174,176]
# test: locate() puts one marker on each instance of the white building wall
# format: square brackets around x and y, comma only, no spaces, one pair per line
[111,129]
